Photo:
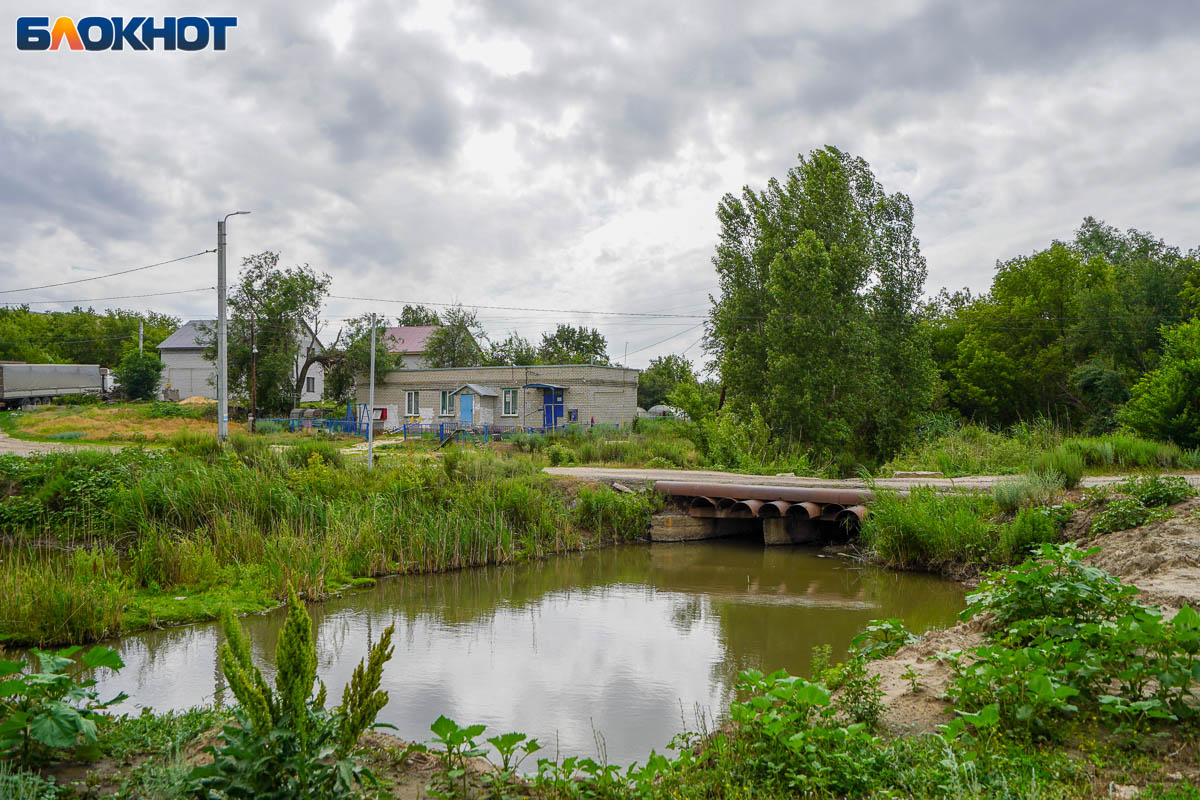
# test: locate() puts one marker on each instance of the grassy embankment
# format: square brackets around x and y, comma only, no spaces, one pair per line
[103,542]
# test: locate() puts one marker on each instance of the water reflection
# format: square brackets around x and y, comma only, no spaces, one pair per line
[626,642]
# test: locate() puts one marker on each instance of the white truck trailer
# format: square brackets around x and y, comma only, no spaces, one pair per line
[33,384]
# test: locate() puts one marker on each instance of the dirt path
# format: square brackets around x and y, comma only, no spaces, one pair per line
[20,447]
[631,475]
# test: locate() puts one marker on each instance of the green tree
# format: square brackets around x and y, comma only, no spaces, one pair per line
[79,336]
[348,359]
[418,315]
[817,321]
[514,349]
[278,309]
[139,375]
[661,378]
[456,342]
[1165,403]
[573,345]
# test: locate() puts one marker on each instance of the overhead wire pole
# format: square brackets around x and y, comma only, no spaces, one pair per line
[371,403]
[222,335]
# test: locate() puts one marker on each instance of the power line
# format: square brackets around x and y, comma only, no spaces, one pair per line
[108,275]
[522,308]
[115,297]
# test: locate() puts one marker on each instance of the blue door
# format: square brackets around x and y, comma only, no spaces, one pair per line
[466,408]
[552,405]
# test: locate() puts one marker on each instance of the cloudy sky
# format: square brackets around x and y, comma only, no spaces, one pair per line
[550,155]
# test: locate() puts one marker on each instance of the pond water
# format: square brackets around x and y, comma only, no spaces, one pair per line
[623,647]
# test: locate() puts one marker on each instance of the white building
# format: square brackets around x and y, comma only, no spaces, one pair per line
[189,374]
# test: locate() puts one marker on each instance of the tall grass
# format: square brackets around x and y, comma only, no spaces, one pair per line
[929,529]
[1027,491]
[156,522]
[49,597]
[960,531]
[969,449]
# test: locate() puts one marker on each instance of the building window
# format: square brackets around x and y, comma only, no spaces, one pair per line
[412,402]
[310,385]
[447,404]
[510,403]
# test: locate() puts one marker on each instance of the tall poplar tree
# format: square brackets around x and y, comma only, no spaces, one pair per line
[817,319]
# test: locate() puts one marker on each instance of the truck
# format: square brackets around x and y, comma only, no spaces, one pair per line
[34,384]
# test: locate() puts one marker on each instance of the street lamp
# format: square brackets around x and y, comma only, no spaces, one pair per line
[222,335]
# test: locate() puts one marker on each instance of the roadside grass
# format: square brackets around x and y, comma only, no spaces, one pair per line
[970,449]
[104,542]
[957,532]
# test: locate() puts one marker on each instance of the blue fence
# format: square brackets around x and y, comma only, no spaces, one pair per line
[346,426]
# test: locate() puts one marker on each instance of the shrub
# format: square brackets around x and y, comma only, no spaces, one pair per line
[267,427]
[559,455]
[1030,528]
[1158,490]
[301,453]
[1067,638]
[1121,515]
[139,373]
[1165,403]
[285,744]
[1061,462]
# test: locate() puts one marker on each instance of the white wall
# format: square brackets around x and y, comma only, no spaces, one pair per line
[189,373]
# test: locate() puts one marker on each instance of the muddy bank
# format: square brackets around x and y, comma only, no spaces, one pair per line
[1161,558]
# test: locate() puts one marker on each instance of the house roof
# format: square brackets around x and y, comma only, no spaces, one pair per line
[482,391]
[408,339]
[184,338]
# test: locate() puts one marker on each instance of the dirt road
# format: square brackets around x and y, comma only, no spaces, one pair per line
[20,447]
[631,475]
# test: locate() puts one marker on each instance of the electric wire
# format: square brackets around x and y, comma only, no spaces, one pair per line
[106,275]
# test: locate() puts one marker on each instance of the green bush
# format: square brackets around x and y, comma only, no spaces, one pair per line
[1066,639]
[268,427]
[1165,403]
[1030,528]
[138,374]
[299,454]
[1120,515]
[285,743]
[559,455]
[1157,490]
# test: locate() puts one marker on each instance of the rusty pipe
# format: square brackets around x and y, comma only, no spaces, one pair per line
[747,508]
[774,508]
[792,494]
[812,510]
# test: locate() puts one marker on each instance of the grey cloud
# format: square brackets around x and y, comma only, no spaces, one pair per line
[65,177]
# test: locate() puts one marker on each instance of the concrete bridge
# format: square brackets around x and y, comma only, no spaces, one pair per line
[784,514]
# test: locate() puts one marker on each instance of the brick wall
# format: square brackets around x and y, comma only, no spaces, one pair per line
[607,395]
